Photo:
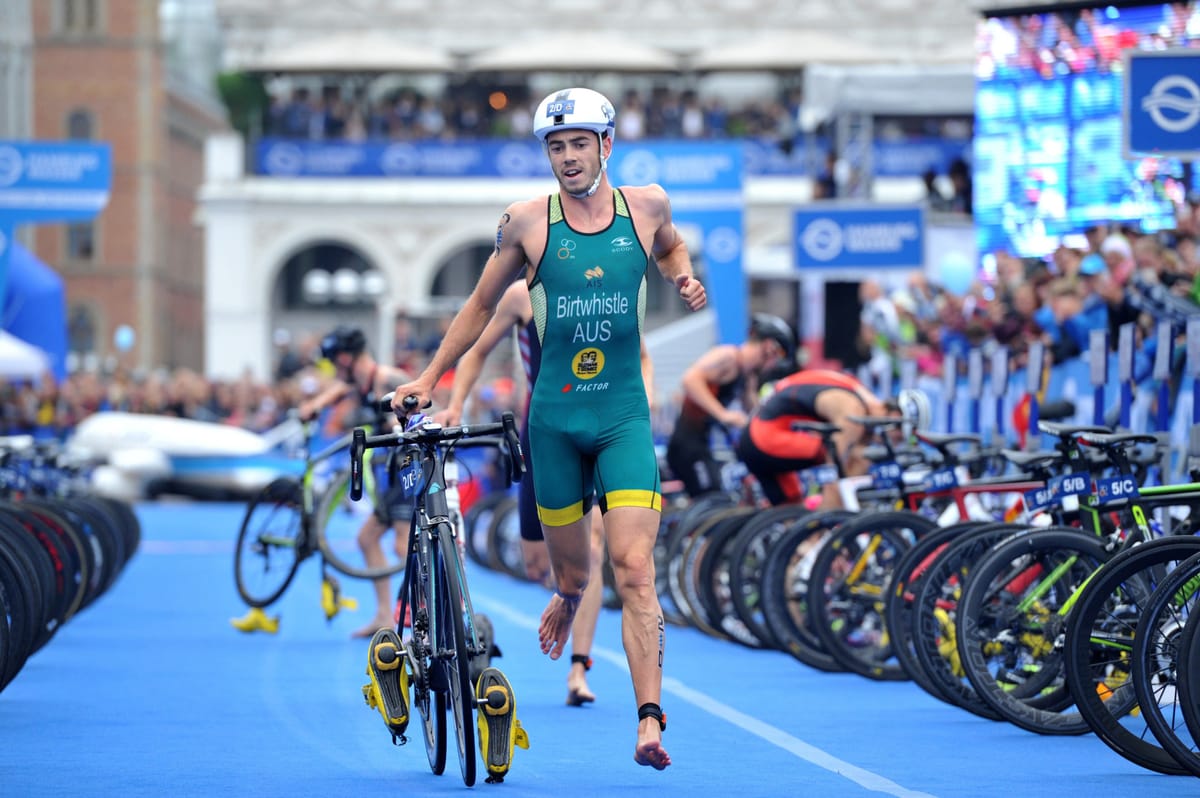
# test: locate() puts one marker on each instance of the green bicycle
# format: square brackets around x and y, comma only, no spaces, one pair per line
[294,518]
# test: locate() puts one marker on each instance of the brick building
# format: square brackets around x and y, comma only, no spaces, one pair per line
[100,72]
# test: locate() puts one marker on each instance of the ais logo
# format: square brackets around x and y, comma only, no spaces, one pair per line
[594,277]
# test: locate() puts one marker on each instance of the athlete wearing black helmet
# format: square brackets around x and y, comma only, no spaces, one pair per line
[361,380]
[722,375]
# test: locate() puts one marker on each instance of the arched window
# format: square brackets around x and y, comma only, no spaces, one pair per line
[80,126]
[81,330]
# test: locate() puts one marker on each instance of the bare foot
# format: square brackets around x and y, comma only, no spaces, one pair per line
[555,628]
[578,693]
[373,627]
[649,749]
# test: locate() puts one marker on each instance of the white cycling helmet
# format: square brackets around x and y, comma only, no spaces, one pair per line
[915,408]
[577,109]
[569,109]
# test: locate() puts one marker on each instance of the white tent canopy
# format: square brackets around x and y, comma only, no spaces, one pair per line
[887,89]
[785,50]
[365,51]
[20,360]
[576,53]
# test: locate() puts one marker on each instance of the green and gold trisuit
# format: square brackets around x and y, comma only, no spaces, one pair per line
[589,419]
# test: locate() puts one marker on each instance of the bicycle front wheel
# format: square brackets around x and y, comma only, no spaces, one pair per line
[269,543]
[338,521]
[454,652]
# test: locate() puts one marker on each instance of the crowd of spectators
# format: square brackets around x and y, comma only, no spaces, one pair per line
[1082,40]
[1122,276]
[338,112]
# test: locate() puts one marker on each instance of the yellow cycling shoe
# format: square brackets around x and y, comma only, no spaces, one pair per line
[332,600]
[388,689]
[256,621]
[499,729]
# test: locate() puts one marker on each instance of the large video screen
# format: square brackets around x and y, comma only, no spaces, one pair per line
[1048,159]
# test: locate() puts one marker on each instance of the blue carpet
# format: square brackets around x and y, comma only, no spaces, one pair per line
[150,692]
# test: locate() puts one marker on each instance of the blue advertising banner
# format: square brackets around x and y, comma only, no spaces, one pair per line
[833,236]
[705,184]
[520,158]
[45,181]
[704,180]
[1161,111]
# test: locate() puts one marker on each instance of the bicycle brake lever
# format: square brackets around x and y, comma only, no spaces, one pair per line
[358,448]
[516,459]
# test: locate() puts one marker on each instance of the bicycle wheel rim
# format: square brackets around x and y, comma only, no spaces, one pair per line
[267,552]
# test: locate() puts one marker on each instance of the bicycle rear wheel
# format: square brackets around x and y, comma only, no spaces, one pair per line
[269,543]
[454,652]
[429,701]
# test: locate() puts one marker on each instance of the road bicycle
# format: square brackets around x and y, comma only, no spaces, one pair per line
[444,657]
[294,518]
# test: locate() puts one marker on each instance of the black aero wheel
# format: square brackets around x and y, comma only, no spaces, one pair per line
[1013,609]
[456,656]
[268,543]
[1109,616]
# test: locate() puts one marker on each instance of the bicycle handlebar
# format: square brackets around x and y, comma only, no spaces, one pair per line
[433,434]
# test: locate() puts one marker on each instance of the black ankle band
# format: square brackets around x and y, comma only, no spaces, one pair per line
[582,659]
[653,711]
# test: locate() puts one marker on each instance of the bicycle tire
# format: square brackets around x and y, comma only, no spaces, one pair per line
[270,543]
[749,557]
[1100,633]
[848,617]
[715,583]
[37,565]
[457,658]
[428,699]
[934,623]
[504,552]
[1157,667]
[673,524]
[18,600]
[336,497]
[898,610]
[1188,674]
[685,568]
[477,523]
[79,552]
[785,587]
[992,629]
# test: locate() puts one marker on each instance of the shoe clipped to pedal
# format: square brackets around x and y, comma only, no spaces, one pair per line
[388,688]
[499,730]
[255,620]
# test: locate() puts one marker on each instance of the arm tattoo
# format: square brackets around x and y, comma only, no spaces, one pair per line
[500,231]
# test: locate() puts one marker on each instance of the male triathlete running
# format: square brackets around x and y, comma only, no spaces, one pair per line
[360,375]
[516,310]
[721,375]
[585,252]
[773,451]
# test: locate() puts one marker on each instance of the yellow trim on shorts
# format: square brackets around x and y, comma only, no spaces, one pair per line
[561,517]
[633,498]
